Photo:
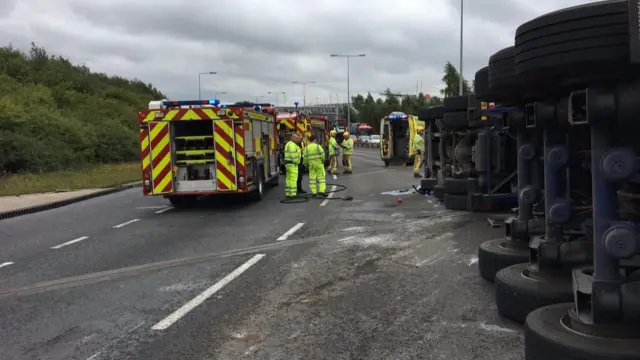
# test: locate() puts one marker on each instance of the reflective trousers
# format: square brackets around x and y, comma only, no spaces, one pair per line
[333,164]
[291,180]
[346,162]
[417,161]
[317,175]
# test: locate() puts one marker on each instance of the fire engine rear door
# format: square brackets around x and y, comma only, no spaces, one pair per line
[160,157]
[226,161]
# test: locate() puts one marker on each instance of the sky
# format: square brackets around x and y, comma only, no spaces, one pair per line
[259,48]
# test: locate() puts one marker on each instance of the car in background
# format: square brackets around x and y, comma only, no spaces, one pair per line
[364,140]
[375,141]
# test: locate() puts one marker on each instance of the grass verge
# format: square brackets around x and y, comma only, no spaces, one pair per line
[98,176]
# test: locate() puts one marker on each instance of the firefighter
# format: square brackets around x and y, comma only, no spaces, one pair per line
[418,149]
[347,151]
[313,159]
[333,153]
[292,155]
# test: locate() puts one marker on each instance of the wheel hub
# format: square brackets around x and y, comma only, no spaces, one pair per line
[572,322]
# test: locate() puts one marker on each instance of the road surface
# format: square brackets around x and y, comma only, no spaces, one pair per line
[128,277]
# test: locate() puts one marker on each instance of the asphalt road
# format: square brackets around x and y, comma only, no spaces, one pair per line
[128,277]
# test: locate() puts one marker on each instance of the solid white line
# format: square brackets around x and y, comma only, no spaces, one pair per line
[335,177]
[326,201]
[165,209]
[151,207]
[367,173]
[6,264]
[171,319]
[70,242]
[125,223]
[290,232]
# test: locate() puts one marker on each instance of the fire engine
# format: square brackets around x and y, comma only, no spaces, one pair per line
[199,147]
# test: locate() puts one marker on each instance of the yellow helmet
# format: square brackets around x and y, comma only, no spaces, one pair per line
[333,132]
[346,134]
[419,129]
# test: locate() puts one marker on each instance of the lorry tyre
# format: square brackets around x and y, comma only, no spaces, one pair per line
[428,183]
[258,193]
[482,84]
[455,202]
[517,293]
[549,335]
[457,103]
[576,45]
[502,72]
[438,192]
[456,186]
[495,255]
[455,120]
[183,201]
[431,113]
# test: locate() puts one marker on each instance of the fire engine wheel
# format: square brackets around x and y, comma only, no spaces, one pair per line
[455,202]
[575,45]
[519,291]
[482,84]
[275,181]
[550,334]
[183,201]
[258,193]
[495,255]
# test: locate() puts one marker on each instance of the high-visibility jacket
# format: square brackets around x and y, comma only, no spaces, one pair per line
[418,143]
[313,153]
[347,145]
[292,153]
[333,146]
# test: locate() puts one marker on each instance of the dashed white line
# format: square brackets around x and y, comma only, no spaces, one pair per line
[175,316]
[125,223]
[70,242]
[165,209]
[335,177]
[6,264]
[326,201]
[290,232]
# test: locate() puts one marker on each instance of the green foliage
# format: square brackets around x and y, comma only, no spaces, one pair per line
[369,110]
[55,115]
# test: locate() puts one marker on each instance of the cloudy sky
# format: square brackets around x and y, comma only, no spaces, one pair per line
[257,47]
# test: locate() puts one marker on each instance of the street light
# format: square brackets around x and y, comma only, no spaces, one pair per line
[215,96]
[279,93]
[304,90]
[461,28]
[348,56]
[200,82]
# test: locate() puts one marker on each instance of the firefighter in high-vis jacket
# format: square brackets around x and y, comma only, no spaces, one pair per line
[347,151]
[418,149]
[333,153]
[313,159]
[292,157]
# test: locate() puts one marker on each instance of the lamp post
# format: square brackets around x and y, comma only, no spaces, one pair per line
[279,93]
[461,36]
[200,82]
[348,56]
[304,89]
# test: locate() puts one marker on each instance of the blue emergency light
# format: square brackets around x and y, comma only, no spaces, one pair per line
[397,116]
[213,102]
[256,108]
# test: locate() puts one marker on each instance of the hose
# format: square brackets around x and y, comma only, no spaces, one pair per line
[304,198]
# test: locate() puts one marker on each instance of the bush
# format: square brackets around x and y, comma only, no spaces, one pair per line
[56,116]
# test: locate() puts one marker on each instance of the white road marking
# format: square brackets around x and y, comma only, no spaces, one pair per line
[165,209]
[70,242]
[329,196]
[335,177]
[6,264]
[290,232]
[125,223]
[367,173]
[178,314]
[151,207]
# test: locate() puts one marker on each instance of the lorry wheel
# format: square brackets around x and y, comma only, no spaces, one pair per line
[428,183]
[457,103]
[438,192]
[575,45]
[456,186]
[549,335]
[482,85]
[502,72]
[455,202]
[517,292]
[183,201]
[495,255]
[258,193]
[455,120]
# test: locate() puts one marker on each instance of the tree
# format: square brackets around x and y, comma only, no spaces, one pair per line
[451,79]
